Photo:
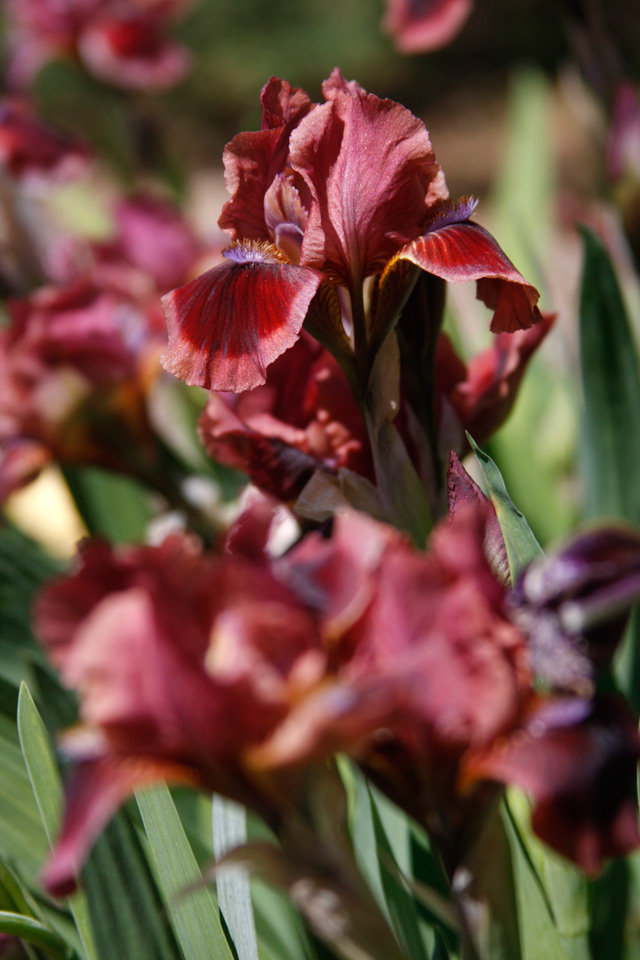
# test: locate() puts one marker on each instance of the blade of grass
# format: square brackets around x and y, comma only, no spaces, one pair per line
[234,893]
[194,915]
[45,780]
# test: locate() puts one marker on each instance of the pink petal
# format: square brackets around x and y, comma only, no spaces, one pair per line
[465,251]
[251,162]
[132,51]
[420,25]
[368,164]
[154,237]
[440,618]
[339,577]
[228,325]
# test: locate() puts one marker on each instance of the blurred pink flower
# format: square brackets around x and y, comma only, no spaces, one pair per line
[421,25]
[183,662]
[123,42]
[75,365]
[153,236]
[29,148]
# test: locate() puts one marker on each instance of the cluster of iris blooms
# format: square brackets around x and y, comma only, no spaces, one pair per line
[393,629]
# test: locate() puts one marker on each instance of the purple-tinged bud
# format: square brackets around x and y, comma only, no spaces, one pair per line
[574,605]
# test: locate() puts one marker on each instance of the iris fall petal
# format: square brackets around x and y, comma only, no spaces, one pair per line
[228,325]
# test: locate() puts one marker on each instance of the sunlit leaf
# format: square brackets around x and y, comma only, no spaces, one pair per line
[522,546]
[45,780]
[194,914]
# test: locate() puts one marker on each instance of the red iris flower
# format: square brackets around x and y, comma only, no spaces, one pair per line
[239,672]
[323,198]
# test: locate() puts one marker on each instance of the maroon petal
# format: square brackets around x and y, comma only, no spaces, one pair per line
[228,325]
[282,104]
[253,160]
[483,392]
[420,25]
[462,490]
[465,251]
[578,760]
[94,793]
[368,164]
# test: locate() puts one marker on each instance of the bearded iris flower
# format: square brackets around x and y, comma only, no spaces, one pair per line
[240,672]
[327,199]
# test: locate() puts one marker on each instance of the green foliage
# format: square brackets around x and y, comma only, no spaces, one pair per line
[522,546]
[193,912]
[611,391]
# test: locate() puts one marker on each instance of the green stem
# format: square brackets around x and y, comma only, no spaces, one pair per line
[360,335]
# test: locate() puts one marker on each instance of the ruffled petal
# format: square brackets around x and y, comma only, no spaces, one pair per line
[465,251]
[228,325]
[253,160]
[368,164]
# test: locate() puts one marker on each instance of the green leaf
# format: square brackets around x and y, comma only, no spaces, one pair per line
[540,938]
[45,780]
[22,837]
[194,915]
[127,910]
[400,487]
[611,389]
[234,894]
[610,447]
[522,546]
[111,505]
[26,928]
[382,871]
[279,928]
